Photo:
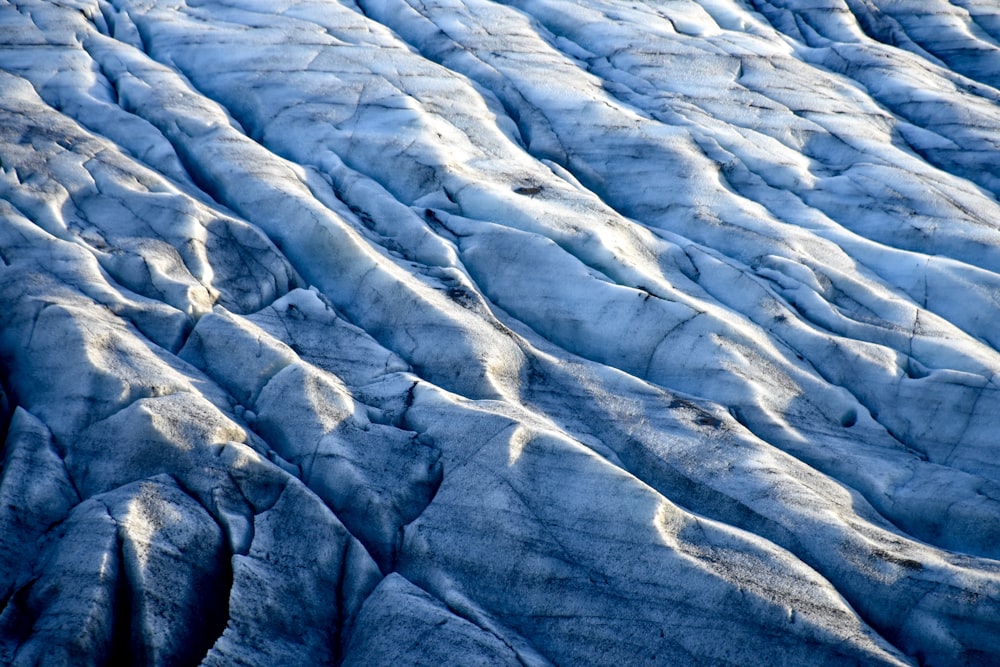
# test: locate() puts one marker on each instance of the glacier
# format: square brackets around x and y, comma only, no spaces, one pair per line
[423,332]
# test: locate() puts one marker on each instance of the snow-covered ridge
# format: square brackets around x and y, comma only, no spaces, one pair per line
[465,332]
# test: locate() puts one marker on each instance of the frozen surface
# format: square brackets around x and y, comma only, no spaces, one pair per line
[400,332]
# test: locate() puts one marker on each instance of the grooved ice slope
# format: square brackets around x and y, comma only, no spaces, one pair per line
[468,332]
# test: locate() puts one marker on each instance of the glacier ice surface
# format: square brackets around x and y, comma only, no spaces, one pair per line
[538,332]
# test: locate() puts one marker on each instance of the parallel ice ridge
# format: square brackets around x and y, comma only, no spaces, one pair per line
[466,332]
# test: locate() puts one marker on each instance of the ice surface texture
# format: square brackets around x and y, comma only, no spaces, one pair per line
[401,332]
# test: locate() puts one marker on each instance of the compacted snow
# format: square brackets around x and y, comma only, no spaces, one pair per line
[402,332]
